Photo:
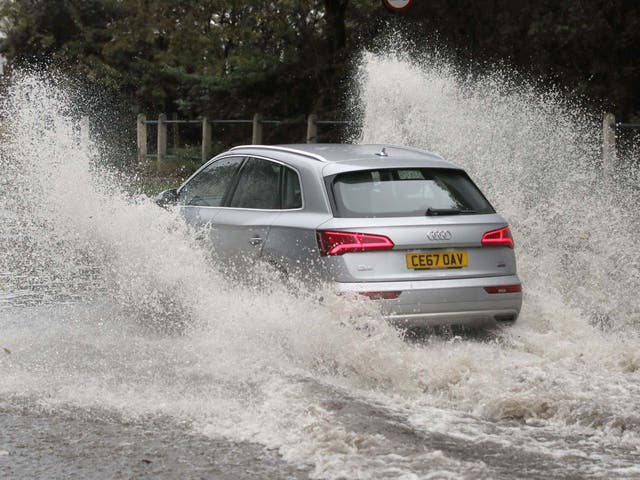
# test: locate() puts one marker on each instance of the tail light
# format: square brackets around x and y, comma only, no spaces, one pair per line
[381,295]
[337,243]
[504,289]
[498,238]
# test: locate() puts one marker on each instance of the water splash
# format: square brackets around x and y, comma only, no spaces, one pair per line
[537,156]
[98,267]
[244,355]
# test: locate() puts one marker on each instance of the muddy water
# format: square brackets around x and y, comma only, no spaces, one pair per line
[129,355]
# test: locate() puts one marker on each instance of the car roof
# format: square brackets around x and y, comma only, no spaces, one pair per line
[369,155]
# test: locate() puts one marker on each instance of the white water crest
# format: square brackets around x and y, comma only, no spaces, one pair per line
[538,158]
[110,305]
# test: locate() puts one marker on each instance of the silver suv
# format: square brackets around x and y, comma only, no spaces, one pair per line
[398,225]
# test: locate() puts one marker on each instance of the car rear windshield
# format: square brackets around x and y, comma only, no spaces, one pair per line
[406,192]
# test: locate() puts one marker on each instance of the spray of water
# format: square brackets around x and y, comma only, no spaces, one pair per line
[87,269]
[537,156]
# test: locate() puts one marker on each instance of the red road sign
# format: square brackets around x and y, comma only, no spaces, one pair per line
[397,5]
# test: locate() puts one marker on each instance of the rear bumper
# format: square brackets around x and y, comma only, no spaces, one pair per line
[471,318]
[445,302]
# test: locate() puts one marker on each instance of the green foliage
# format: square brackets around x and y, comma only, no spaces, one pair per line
[591,47]
[169,54]
[233,58]
[152,177]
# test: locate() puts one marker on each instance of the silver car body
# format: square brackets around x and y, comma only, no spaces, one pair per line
[486,290]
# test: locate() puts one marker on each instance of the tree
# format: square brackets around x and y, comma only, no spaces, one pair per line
[290,56]
[335,14]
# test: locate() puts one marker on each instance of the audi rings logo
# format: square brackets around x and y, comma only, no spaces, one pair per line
[439,235]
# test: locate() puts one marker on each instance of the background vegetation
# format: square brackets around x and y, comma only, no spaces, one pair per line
[284,58]
[288,58]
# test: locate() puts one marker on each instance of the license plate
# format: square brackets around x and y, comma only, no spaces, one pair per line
[427,260]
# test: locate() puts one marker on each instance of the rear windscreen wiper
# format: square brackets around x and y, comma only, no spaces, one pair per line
[434,212]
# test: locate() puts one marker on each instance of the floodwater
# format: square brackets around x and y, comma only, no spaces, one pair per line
[124,353]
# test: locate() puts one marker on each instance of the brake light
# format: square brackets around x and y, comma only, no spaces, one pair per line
[504,289]
[498,238]
[337,243]
[381,295]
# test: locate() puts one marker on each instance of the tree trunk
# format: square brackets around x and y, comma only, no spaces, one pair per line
[336,29]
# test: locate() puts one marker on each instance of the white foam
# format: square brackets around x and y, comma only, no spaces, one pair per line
[262,364]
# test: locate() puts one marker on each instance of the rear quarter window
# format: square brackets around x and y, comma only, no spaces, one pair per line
[405,192]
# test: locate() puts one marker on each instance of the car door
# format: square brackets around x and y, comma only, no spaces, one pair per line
[201,198]
[254,203]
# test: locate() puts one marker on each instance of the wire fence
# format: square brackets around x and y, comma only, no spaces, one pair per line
[194,139]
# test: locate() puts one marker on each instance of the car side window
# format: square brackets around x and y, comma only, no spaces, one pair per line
[208,188]
[291,192]
[258,185]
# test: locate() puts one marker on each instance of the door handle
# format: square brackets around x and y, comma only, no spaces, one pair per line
[255,241]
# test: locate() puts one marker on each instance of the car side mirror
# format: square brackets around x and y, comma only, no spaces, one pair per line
[167,198]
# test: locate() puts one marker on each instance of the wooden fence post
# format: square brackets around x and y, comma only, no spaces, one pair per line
[206,139]
[162,137]
[84,132]
[175,131]
[609,143]
[256,137]
[312,128]
[141,129]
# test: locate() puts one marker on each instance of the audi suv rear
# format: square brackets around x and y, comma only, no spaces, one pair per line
[398,225]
